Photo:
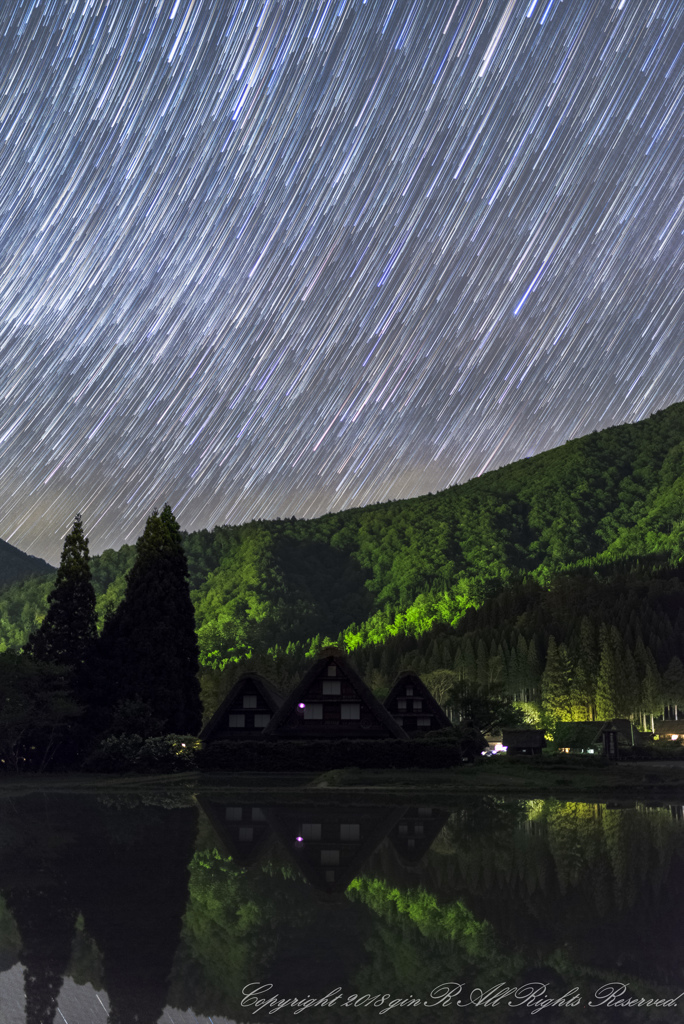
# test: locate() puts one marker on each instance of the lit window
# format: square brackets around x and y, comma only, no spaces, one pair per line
[332,670]
[417,705]
[409,691]
[350,711]
[424,812]
[350,831]
[236,721]
[261,721]
[401,704]
[418,830]
[331,688]
[246,834]
[403,830]
[330,856]
[233,814]
[424,721]
[312,830]
[313,711]
[249,701]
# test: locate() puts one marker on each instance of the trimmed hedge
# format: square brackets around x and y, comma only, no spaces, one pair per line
[323,755]
[171,753]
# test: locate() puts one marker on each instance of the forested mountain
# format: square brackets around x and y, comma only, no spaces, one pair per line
[15,565]
[402,574]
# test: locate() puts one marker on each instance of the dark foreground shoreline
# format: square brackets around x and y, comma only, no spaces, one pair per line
[627,781]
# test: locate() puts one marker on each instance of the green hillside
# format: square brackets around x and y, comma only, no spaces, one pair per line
[15,565]
[402,574]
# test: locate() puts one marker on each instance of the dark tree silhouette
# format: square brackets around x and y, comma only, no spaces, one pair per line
[149,644]
[68,631]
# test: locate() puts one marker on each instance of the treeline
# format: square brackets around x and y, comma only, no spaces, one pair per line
[394,581]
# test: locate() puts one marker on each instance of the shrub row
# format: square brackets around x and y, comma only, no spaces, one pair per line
[171,753]
[323,755]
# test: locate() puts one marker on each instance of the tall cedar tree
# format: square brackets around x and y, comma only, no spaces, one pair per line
[68,631]
[150,641]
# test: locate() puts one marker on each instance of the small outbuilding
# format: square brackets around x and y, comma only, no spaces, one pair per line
[413,707]
[245,712]
[524,741]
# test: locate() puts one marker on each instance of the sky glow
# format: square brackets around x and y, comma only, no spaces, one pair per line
[265,259]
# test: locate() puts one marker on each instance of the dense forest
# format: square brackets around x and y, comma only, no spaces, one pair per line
[556,578]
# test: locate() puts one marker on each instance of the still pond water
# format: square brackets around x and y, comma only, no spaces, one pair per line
[133,910]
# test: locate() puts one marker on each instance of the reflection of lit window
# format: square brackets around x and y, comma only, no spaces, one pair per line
[411,843]
[311,831]
[418,830]
[246,834]
[313,711]
[261,721]
[424,812]
[330,856]
[236,721]
[424,721]
[350,711]
[332,688]
[249,701]
[233,814]
[403,830]
[350,831]
[258,814]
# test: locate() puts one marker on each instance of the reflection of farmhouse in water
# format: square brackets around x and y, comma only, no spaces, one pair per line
[329,845]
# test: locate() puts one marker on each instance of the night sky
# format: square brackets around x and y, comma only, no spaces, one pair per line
[266,258]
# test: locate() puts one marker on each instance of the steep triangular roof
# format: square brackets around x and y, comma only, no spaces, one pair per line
[251,680]
[241,835]
[416,831]
[420,691]
[346,854]
[286,719]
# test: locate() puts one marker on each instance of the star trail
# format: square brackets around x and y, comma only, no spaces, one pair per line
[266,258]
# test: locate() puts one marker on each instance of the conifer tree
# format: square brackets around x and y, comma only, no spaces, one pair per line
[606,683]
[556,683]
[69,629]
[149,644]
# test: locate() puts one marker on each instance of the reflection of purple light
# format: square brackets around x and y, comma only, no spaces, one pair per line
[301,705]
[300,839]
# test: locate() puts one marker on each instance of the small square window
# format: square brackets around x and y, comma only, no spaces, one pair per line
[330,856]
[332,670]
[313,711]
[331,687]
[418,830]
[401,704]
[350,712]
[246,834]
[258,814]
[409,691]
[350,832]
[424,721]
[403,830]
[410,843]
[417,705]
[311,830]
[233,814]
[261,721]
[424,812]
[236,721]
[249,701]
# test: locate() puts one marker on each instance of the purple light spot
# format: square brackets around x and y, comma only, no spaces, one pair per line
[301,705]
[300,839]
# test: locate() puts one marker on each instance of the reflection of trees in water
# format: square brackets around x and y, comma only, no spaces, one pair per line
[127,874]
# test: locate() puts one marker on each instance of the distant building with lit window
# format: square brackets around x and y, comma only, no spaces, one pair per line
[246,711]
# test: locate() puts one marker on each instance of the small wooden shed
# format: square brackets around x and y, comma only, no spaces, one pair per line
[524,741]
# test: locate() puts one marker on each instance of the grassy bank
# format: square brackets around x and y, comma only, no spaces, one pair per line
[490,776]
